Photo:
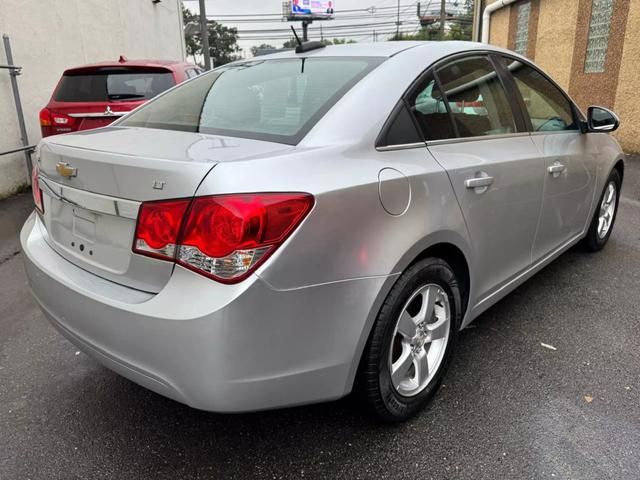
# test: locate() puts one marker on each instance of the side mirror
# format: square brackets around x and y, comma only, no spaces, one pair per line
[600,119]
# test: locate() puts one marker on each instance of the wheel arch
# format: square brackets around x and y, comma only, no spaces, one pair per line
[619,166]
[451,254]
[448,246]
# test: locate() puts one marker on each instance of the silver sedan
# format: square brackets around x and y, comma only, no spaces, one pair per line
[291,228]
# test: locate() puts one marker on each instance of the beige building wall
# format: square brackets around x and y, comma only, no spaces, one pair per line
[49,36]
[556,38]
[626,104]
[499,28]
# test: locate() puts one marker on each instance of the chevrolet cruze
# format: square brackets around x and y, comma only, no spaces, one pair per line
[288,229]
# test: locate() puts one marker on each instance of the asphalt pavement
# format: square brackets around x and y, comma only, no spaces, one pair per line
[510,408]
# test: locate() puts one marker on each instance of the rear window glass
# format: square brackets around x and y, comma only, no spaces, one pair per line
[275,100]
[112,86]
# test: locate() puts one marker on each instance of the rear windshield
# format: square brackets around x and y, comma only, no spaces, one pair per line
[275,100]
[111,86]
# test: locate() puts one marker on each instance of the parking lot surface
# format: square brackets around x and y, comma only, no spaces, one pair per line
[510,407]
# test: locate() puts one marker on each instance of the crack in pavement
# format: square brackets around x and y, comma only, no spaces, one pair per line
[8,257]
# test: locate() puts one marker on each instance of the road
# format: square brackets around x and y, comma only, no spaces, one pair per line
[509,409]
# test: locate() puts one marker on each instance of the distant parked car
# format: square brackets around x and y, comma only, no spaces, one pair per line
[95,95]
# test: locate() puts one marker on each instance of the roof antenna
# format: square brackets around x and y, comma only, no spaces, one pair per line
[296,35]
[306,46]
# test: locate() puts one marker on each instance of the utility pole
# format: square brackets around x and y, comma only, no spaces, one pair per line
[204,33]
[321,36]
[398,22]
[305,25]
[443,14]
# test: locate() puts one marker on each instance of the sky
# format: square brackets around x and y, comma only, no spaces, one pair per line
[352,20]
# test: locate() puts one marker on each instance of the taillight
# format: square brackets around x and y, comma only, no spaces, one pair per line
[45,117]
[45,122]
[53,122]
[35,188]
[224,237]
[158,228]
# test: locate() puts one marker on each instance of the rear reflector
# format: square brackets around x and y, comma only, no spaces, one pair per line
[224,237]
[35,188]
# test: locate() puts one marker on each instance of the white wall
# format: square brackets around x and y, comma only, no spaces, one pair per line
[48,36]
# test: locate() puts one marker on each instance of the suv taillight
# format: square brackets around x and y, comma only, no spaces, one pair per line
[35,188]
[53,122]
[224,237]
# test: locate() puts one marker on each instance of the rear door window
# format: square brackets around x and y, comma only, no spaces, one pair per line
[113,86]
[476,98]
[431,111]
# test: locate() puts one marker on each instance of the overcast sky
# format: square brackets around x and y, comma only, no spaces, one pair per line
[358,25]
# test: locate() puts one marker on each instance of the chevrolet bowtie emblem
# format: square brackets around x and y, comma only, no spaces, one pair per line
[66,170]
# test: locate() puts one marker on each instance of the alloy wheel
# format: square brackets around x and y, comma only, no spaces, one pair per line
[607,210]
[420,340]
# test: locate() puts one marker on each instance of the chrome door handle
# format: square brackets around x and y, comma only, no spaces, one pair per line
[478,182]
[556,169]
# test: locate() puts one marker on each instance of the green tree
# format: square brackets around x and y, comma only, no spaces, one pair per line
[338,41]
[458,27]
[192,42]
[265,46]
[291,43]
[223,41]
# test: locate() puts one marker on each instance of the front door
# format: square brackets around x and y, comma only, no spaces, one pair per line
[570,165]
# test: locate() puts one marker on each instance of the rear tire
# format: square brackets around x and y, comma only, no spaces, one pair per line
[412,341]
[605,215]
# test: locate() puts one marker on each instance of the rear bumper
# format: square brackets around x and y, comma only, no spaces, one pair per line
[225,348]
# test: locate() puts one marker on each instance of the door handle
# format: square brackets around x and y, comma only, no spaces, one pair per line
[556,169]
[478,182]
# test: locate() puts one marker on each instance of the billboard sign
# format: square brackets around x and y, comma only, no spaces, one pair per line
[312,8]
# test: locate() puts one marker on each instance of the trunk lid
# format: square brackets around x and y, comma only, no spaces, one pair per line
[94,181]
[90,115]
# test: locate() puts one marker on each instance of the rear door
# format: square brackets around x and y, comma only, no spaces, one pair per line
[494,167]
[570,165]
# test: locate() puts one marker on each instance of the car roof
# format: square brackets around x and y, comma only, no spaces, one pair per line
[381,49]
[124,62]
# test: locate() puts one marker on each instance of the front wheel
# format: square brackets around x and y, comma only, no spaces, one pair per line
[412,341]
[605,215]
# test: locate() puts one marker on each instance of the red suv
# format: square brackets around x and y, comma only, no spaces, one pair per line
[95,95]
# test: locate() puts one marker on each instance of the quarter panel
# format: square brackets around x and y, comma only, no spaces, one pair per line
[348,233]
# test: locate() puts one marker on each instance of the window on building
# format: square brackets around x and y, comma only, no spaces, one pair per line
[598,41]
[522,28]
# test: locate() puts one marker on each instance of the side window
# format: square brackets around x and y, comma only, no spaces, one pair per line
[476,98]
[428,105]
[401,131]
[547,106]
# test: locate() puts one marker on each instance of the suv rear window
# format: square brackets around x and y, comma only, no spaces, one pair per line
[275,100]
[113,85]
